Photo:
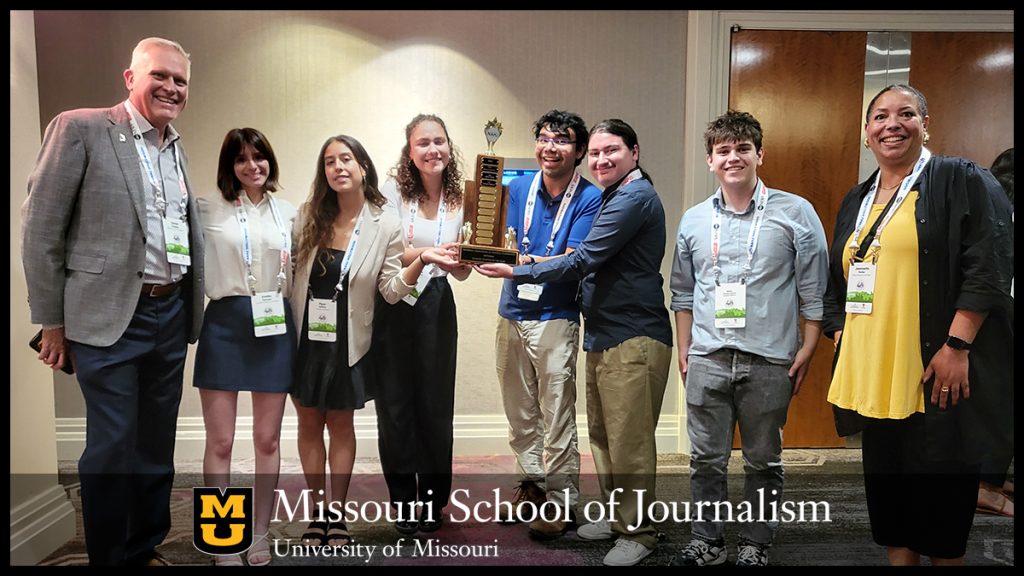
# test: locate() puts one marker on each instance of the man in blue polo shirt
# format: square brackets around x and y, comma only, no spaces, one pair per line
[627,337]
[538,332]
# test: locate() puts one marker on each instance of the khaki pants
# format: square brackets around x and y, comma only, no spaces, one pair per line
[625,387]
[536,361]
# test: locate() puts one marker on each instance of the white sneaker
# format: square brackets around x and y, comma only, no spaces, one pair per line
[626,553]
[599,530]
[700,552]
[751,554]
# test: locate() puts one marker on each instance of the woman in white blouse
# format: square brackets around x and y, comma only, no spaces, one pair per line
[415,340]
[248,338]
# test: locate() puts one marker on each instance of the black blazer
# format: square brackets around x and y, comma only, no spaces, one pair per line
[965,260]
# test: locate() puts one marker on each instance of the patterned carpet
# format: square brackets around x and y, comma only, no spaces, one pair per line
[831,476]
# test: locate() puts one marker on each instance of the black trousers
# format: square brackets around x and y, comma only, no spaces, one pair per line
[415,351]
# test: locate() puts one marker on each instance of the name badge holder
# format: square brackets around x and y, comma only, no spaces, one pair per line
[530,292]
[268,314]
[176,238]
[323,312]
[176,241]
[323,320]
[860,285]
[731,297]
[731,305]
[267,307]
[860,288]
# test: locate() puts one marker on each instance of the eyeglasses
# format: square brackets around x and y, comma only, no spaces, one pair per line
[560,141]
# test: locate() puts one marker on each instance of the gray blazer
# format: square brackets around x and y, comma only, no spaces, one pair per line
[376,266]
[83,229]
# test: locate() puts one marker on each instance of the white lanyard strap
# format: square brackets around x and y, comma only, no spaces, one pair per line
[755,230]
[869,199]
[243,225]
[635,174]
[563,207]
[442,212]
[286,243]
[346,262]
[150,172]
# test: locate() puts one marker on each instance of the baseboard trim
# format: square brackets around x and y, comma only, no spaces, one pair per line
[40,525]
[475,435]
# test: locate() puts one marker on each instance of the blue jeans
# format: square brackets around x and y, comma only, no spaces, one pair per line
[724,388]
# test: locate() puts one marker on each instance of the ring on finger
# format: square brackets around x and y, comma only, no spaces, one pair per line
[944,389]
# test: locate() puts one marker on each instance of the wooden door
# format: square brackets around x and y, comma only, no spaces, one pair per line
[967,78]
[807,90]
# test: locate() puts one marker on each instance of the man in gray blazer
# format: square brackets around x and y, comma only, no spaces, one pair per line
[113,256]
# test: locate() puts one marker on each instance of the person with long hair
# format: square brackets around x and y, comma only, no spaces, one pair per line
[416,339]
[627,335]
[919,305]
[248,248]
[347,248]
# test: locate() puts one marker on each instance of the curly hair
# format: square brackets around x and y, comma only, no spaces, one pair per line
[407,175]
[322,207]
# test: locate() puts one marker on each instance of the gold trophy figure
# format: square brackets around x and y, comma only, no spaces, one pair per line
[492,131]
[486,203]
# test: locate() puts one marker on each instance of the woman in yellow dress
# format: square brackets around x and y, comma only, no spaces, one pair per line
[919,306]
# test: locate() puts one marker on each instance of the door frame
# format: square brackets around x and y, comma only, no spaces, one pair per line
[707,74]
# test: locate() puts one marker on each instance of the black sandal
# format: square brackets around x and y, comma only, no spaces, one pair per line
[337,531]
[316,533]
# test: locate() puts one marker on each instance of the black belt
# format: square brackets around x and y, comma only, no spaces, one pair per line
[160,290]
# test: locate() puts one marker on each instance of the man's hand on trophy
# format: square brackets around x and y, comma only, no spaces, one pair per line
[494,270]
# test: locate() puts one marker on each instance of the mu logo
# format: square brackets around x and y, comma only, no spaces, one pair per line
[222,523]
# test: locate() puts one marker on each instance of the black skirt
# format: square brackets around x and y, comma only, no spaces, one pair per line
[323,378]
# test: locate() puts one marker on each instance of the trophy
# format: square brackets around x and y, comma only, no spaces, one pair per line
[485,238]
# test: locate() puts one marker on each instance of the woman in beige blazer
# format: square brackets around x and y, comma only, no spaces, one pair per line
[346,249]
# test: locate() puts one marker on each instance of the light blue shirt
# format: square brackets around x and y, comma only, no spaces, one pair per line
[158,269]
[788,276]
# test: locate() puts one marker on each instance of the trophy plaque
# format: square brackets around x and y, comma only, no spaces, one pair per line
[485,239]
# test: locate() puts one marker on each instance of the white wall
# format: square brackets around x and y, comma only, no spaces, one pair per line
[42,517]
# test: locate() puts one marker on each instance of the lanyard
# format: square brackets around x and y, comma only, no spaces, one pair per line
[243,224]
[606,195]
[563,207]
[346,262]
[755,230]
[636,173]
[442,211]
[869,199]
[150,172]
